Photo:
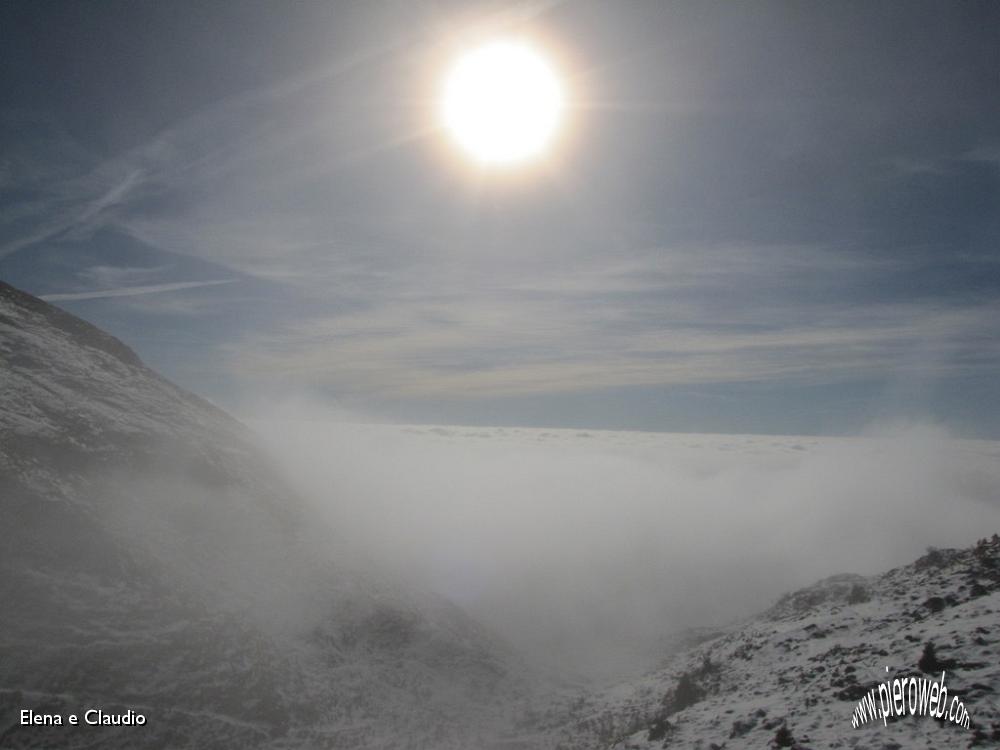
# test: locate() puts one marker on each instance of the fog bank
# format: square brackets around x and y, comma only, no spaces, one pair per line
[585,548]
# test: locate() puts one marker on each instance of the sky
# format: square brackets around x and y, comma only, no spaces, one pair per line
[774,217]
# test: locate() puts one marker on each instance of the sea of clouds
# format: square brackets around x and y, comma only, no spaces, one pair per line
[586,548]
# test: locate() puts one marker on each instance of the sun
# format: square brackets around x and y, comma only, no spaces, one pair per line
[502,102]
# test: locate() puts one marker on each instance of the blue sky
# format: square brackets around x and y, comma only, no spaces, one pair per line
[768,217]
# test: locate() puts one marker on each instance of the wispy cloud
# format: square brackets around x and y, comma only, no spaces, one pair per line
[913,166]
[640,329]
[114,195]
[131,291]
[987,153]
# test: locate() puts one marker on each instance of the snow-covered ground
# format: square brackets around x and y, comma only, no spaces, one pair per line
[793,676]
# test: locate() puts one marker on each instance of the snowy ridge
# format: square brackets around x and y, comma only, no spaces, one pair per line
[792,676]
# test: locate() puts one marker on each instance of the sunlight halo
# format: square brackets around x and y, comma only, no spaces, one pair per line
[502,102]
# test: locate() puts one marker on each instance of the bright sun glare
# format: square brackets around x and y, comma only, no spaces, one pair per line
[502,102]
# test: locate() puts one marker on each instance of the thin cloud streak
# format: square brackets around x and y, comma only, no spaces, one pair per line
[132,291]
[468,348]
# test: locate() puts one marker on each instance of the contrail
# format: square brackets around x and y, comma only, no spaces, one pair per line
[130,291]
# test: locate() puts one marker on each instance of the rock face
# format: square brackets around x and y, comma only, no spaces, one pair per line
[154,561]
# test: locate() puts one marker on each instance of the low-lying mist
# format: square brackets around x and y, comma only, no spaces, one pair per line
[586,548]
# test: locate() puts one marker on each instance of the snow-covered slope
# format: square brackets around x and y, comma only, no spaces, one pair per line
[153,560]
[793,676]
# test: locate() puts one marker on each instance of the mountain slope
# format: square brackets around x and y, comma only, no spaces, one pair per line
[793,676]
[153,560]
